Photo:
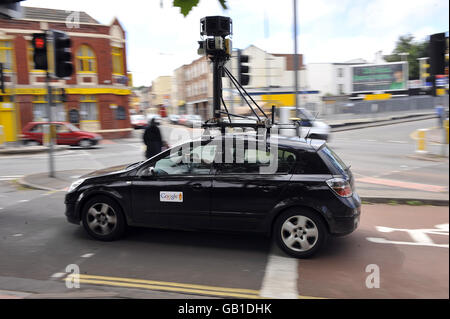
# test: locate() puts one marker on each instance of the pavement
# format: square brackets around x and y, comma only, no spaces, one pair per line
[14,149]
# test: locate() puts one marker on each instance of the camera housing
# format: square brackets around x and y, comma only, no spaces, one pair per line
[216,26]
[214,31]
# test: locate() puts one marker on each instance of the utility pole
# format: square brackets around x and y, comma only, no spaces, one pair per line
[296,82]
[50,131]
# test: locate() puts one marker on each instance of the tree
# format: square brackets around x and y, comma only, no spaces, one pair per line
[187,5]
[415,50]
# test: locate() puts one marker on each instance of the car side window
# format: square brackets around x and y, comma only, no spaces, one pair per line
[196,160]
[36,129]
[62,129]
[255,159]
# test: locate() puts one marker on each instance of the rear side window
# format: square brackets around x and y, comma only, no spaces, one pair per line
[309,162]
[331,157]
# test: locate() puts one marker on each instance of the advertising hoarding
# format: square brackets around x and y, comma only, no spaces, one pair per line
[380,77]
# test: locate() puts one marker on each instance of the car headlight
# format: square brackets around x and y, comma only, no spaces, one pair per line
[75,184]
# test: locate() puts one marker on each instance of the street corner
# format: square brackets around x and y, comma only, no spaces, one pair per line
[60,182]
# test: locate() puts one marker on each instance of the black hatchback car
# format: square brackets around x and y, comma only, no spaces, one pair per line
[225,183]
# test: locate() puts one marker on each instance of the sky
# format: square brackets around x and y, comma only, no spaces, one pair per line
[160,39]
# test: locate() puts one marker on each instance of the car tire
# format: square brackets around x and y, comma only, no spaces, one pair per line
[32,143]
[85,143]
[300,232]
[103,218]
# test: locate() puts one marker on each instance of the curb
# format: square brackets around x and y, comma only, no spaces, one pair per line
[405,201]
[24,183]
[31,150]
[394,120]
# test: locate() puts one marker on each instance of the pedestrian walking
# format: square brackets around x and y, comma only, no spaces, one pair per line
[152,139]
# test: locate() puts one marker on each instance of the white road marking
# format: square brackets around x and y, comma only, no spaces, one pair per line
[23,200]
[58,274]
[87,255]
[419,236]
[17,235]
[280,278]
[385,241]
[399,142]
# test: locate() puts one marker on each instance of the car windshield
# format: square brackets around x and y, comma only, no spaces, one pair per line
[305,114]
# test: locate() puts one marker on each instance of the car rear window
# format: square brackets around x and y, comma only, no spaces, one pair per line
[333,159]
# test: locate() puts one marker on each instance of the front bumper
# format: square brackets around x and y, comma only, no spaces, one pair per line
[71,211]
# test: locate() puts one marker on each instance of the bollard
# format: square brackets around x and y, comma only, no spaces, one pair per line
[2,136]
[446,131]
[421,141]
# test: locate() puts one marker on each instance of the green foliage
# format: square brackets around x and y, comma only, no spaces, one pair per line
[406,44]
[187,5]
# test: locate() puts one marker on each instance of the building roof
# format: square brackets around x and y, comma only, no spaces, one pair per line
[33,13]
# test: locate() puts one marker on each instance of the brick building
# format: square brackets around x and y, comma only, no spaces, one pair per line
[98,90]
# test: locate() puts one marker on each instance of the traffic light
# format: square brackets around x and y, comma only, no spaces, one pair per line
[39,43]
[436,52]
[62,54]
[243,69]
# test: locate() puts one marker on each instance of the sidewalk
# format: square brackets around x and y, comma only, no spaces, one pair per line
[12,150]
[368,192]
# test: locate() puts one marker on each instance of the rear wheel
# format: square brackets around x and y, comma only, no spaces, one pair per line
[103,219]
[32,143]
[300,232]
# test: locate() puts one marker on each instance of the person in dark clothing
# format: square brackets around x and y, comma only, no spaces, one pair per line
[152,139]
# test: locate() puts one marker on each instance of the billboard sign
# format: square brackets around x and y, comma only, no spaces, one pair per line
[380,77]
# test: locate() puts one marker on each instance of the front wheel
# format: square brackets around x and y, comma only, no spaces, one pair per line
[300,233]
[103,219]
[85,143]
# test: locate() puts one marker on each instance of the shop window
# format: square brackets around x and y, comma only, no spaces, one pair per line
[88,108]
[40,109]
[86,62]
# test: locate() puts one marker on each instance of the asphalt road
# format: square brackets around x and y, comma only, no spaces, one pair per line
[408,244]
[37,245]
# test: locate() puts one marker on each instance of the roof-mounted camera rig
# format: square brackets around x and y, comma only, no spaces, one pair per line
[216,32]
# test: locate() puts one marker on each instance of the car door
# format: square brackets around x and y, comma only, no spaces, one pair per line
[64,135]
[174,190]
[36,133]
[243,194]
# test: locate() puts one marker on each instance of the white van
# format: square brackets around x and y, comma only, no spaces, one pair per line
[310,126]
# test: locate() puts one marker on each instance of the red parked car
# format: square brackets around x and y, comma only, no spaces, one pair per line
[66,134]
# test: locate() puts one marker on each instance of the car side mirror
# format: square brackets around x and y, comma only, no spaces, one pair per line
[149,171]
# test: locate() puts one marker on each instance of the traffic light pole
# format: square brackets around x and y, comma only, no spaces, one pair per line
[50,132]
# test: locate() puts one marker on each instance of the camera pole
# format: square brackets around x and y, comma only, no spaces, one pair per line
[217,88]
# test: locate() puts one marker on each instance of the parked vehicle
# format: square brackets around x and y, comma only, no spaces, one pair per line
[173,118]
[138,121]
[308,196]
[157,117]
[183,119]
[66,134]
[194,120]
[310,126]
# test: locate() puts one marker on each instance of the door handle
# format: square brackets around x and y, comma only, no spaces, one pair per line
[197,186]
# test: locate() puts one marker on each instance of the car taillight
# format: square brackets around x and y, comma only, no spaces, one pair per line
[340,186]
